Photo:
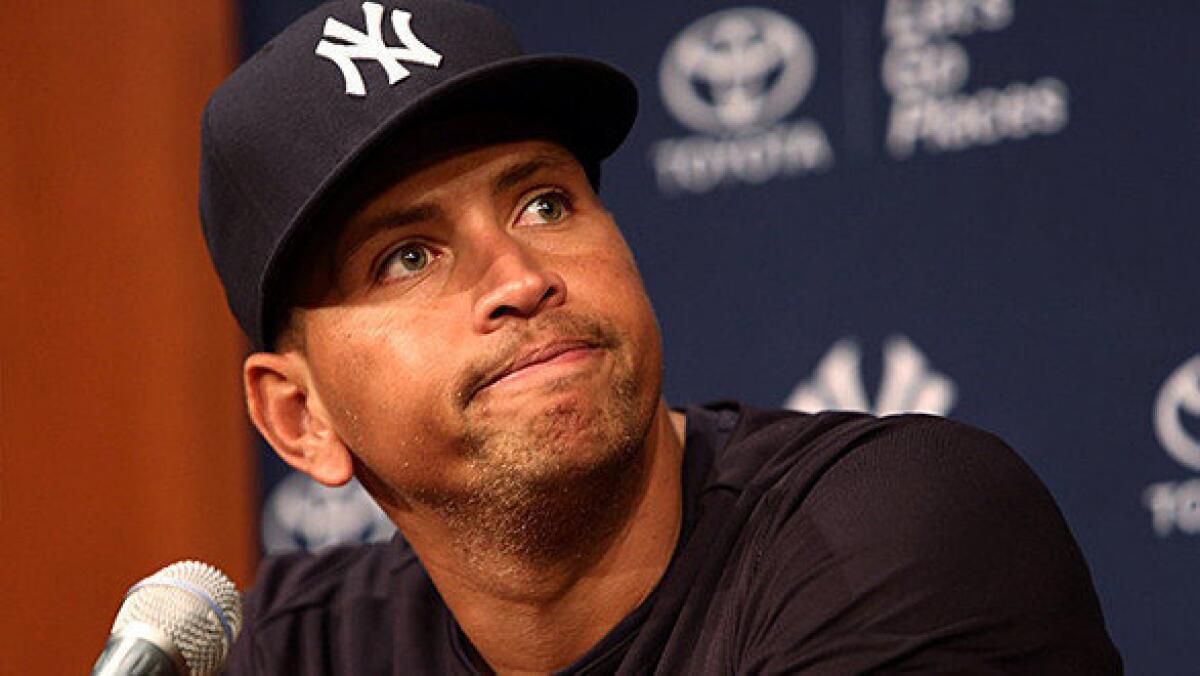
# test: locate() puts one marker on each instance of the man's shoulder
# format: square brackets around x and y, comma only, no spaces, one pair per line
[775,426]
[905,465]
[861,483]
[913,540]
[779,448]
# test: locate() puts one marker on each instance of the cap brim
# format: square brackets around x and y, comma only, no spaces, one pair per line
[591,104]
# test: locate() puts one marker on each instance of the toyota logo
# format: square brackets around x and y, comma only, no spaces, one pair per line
[737,70]
[1180,395]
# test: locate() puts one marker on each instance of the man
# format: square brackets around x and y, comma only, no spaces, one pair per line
[441,307]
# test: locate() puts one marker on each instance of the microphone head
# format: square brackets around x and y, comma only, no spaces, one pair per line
[195,605]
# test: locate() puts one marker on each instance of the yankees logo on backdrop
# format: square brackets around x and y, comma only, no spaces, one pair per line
[301,514]
[356,45]
[908,384]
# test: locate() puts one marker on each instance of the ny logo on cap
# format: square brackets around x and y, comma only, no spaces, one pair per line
[370,45]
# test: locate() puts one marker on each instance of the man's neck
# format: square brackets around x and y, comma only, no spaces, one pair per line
[533,616]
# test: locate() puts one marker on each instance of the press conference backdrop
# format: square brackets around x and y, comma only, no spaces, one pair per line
[985,209]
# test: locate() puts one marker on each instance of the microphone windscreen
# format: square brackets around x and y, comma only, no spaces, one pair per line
[195,605]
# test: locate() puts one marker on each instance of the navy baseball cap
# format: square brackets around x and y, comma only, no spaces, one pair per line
[315,107]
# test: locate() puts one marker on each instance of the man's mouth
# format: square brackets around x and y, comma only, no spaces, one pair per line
[541,358]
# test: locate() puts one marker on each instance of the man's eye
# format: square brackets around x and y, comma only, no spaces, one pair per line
[550,207]
[406,260]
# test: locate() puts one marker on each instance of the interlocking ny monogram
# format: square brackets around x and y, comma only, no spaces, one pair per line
[909,385]
[370,45]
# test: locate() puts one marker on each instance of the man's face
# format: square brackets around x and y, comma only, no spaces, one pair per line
[485,330]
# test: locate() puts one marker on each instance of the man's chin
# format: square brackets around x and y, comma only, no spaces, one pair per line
[559,427]
[555,426]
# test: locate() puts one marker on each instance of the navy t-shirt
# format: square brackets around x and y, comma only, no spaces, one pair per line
[833,543]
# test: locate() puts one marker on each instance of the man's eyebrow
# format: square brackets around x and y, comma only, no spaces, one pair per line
[513,175]
[362,231]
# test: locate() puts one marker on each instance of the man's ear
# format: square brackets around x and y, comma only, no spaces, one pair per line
[289,414]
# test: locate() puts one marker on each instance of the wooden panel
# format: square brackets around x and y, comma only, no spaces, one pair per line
[123,443]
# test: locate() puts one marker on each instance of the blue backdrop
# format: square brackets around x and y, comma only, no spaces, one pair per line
[977,208]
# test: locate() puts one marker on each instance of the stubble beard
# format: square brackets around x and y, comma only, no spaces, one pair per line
[555,487]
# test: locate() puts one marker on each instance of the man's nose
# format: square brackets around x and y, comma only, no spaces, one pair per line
[516,285]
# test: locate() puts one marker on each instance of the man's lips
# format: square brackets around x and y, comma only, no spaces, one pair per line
[526,361]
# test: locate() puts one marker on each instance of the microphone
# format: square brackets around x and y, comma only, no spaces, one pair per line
[181,620]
